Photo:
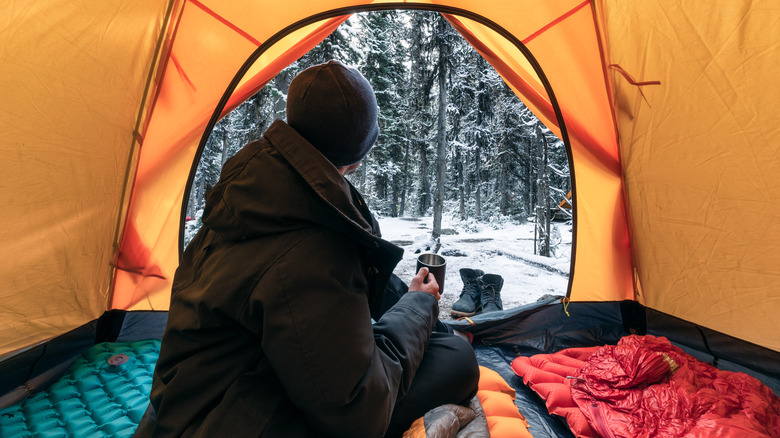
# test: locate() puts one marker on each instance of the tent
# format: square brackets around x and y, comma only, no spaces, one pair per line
[562,211]
[669,110]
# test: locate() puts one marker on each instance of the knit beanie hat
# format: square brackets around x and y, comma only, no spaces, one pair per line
[334,108]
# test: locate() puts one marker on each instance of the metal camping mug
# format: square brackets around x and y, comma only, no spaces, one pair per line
[436,265]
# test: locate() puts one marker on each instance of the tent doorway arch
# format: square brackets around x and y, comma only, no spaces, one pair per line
[516,258]
[146,262]
[231,98]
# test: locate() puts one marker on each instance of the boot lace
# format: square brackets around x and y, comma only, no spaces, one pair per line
[491,296]
[470,288]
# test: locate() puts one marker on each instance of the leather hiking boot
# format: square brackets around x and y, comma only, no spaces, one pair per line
[470,301]
[490,285]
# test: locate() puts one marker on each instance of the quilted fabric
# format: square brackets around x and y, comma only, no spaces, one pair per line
[646,387]
[102,394]
[547,375]
[496,416]
[498,402]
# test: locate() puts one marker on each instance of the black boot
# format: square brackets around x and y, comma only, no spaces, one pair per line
[490,286]
[469,302]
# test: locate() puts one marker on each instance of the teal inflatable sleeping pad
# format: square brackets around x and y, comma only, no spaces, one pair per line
[103,393]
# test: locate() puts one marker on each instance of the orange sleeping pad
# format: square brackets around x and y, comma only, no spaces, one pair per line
[495,414]
[498,403]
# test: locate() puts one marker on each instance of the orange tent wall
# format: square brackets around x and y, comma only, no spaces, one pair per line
[103,109]
[75,86]
[702,158]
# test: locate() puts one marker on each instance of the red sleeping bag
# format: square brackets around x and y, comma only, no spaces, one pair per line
[646,387]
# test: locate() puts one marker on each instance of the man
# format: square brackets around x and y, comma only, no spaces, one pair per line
[270,329]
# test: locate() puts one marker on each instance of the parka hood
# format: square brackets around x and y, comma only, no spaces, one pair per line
[282,183]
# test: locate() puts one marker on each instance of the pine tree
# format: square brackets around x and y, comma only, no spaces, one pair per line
[447,120]
[384,68]
[460,117]
[482,131]
[421,74]
[445,38]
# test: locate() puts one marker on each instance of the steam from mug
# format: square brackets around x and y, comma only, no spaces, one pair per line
[436,264]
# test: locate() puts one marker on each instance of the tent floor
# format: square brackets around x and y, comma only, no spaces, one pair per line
[542,327]
[76,404]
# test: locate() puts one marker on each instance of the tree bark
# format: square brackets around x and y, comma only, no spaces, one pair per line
[404,180]
[543,200]
[478,182]
[192,203]
[461,184]
[503,176]
[441,141]
[396,192]
[529,192]
[425,196]
[225,146]
[363,174]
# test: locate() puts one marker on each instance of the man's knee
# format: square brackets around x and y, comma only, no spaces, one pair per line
[455,358]
[448,373]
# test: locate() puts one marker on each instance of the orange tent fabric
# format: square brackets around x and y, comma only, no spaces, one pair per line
[104,106]
[603,231]
[497,400]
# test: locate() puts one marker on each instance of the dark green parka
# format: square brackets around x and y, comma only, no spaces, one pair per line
[270,331]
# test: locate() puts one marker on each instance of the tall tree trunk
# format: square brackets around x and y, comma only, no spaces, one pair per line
[478,182]
[461,184]
[225,146]
[425,196]
[363,174]
[546,192]
[192,205]
[282,83]
[530,177]
[503,175]
[200,193]
[396,192]
[381,186]
[543,201]
[404,179]
[441,140]
[257,115]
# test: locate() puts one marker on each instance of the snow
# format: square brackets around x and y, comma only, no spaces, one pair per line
[501,247]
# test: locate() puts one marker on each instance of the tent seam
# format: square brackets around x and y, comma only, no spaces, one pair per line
[156,69]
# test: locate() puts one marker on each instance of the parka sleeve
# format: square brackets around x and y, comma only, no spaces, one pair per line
[342,371]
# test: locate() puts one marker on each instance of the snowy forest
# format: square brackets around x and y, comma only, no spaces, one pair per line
[455,141]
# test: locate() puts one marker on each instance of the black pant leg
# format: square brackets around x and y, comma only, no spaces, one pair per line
[448,373]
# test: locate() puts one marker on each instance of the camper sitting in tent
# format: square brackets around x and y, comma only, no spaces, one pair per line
[270,327]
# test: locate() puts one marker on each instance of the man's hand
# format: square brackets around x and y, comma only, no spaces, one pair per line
[418,283]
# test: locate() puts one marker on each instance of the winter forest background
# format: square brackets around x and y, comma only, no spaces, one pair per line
[458,152]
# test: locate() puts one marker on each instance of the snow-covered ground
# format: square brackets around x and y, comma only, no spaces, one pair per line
[506,249]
